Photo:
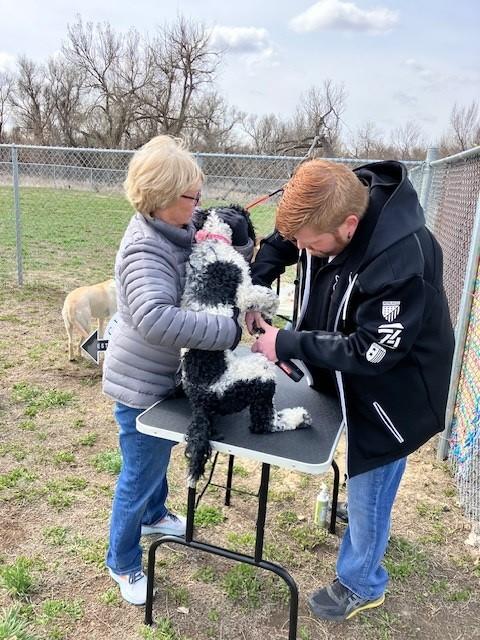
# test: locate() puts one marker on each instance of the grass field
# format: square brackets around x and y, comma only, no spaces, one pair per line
[59,460]
[73,233]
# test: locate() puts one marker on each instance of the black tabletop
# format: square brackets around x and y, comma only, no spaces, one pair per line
[309,449]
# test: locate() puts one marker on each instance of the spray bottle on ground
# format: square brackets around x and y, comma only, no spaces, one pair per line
[321,507]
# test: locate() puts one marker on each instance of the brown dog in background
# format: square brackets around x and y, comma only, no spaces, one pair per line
[82,305]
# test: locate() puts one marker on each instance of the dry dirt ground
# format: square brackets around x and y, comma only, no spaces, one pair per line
[58,458]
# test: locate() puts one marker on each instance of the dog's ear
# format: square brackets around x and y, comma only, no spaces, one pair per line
[199,217]
[246,214]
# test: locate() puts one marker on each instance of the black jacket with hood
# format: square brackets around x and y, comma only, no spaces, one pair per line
[375,319]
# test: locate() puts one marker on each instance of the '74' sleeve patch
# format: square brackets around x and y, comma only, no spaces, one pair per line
[391,334]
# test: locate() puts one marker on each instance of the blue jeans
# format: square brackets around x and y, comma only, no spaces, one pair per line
[140,493]
[370,500]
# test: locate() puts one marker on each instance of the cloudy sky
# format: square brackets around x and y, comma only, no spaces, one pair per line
[399,60]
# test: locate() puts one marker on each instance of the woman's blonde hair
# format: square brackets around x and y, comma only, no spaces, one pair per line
[321,194]
[159,173]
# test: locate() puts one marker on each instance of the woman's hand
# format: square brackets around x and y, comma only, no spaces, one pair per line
[252,319]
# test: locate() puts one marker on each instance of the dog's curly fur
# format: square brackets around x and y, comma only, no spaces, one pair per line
[219,382]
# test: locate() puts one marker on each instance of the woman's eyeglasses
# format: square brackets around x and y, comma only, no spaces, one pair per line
[196,198]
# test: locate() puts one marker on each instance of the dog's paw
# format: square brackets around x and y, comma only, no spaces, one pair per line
[258,298]
[291,419]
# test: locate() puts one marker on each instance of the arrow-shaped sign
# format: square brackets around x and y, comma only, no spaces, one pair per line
[92,346]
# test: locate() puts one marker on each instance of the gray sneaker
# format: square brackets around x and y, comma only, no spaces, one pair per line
[336,602]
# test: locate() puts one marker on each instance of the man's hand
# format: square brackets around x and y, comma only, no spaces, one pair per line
[265,343]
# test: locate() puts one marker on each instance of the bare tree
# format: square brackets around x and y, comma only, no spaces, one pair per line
[465,126]
[6,86]
[67,88]
[317,122]
[31,102]
[212,126]
[366,140]
[408,142]
[266,132]
[183,67]
[114,74]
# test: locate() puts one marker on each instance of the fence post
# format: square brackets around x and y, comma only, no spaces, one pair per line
[18,220]
[461,331]
[432,154]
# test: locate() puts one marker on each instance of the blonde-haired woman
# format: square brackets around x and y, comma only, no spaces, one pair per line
[163,184]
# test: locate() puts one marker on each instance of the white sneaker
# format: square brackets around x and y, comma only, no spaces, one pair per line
[133,586]
[171,525]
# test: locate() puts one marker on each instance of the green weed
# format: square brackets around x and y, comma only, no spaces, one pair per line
[56,536]
[163,631]
[240,471]
[13,625]
[39,399]
[213,615]
[109,461]
[439,587]
[240,541]
[404,559]
[16,451]
[16,578]
[52,610]
[111,597]
[90,551]
[27,425]
[60,500]
[286,518]
[309,536]
[64,457]
[88,440]
[207,516]
[242,584]
[59,493]
[463,595]
[179,595]
[205,574]
[304,634]
[14,477]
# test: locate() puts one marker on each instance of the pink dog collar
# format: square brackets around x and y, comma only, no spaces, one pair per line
[202,235]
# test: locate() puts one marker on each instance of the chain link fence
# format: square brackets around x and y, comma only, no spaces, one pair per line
[62,210]
[63,213]
[449,190]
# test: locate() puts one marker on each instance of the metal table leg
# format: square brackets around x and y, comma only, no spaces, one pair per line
[256,561]
[336,487]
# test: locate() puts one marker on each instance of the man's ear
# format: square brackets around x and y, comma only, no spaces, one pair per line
[349,225]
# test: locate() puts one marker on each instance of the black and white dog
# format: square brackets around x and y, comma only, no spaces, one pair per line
[220,382]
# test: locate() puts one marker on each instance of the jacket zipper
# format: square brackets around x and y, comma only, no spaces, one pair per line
[306,278]
[342,309]
[387,422]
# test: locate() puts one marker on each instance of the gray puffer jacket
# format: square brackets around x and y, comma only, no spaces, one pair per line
[143,353]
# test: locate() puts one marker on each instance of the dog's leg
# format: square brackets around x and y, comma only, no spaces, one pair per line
[101,327]
[69,329]
[198,448]
[262,413]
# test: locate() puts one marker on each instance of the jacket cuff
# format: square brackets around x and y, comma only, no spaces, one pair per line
[246,250]
[287,344]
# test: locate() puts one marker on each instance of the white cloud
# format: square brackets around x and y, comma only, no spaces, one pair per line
[7,61]
[242,40]
[251,45]
[346,16]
